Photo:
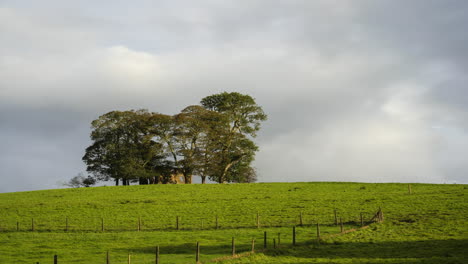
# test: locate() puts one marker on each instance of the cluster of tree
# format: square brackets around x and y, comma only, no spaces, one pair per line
[81,180]
[212,140]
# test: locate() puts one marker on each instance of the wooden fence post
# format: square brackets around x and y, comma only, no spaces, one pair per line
[197,257]
[157,254]
[265,240]
[107,257]
[253,245]
[318,232]
[55,259]
[341,225]
[294,236]
[129,258]
[258,220]
[233,247]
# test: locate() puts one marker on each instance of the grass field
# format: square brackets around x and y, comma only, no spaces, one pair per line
[427,226]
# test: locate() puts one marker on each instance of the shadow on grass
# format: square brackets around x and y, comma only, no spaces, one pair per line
[429,251]
[190,249]
[453,251]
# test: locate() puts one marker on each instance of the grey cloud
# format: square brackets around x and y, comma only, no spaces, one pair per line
[355,91]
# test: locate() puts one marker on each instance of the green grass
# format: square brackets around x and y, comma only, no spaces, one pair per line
[428,226]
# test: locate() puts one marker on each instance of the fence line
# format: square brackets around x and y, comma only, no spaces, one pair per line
[139,223]
[377,218]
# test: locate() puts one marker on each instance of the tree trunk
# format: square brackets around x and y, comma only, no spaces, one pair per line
[143,181]
[188,179]
[116,181]
[203,179]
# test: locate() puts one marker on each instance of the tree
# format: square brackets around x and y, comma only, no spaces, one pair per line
[122,147]
[231,142]
[212,140]
[243,174]
[189,131]
[81,180]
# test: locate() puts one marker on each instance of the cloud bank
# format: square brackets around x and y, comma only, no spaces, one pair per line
[353,91]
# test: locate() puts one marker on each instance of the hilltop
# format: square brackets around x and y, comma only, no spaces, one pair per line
[81,225]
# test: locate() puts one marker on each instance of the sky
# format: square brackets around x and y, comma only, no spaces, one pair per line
[362,90]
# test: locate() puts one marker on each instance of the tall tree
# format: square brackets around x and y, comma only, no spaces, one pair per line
[232,142]
[122,147]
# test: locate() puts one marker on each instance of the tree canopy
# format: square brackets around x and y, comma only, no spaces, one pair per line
[213,140]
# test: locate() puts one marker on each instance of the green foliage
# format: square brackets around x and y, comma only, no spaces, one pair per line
[428,226]
[204,140]
[122,146]
[244,114]
[231,142]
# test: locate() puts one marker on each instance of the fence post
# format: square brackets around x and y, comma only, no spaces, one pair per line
[17,226]
[318,232]
[253,245]
[157,255]
[294,236]
[264,240]
[409,188]
[129,258]
[197,257]
[341,225]
[258,220]
[55,259]
[139,223]
[233,247]
[107,257]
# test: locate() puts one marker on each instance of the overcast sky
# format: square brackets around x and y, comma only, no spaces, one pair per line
[362,90]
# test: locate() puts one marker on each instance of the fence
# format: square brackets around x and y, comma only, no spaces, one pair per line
[274,243]
[138,223]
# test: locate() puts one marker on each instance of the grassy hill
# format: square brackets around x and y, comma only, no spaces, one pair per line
[81,225]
